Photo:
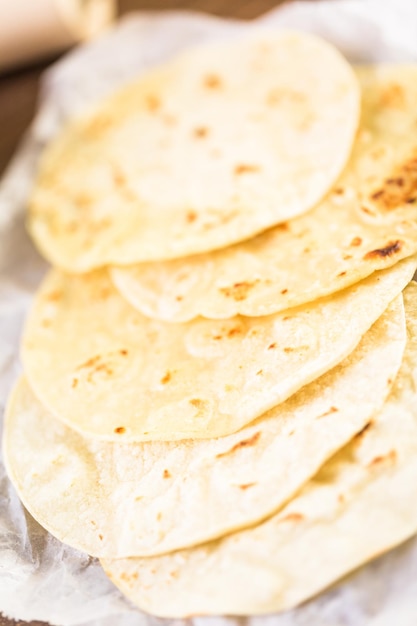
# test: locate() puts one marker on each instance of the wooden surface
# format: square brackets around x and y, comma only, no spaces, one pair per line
[18,90]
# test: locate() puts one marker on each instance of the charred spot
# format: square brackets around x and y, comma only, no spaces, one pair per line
[272,346]
[284,291]
[293,517]
[232,332]
[212,81]
[245,443]
[332,409]
[100,537]
[399,189]
[191,217]
[238,291]
[129,577]
[200,132]
[90,362]
[152,102]
[391,248]
[54,296]
[245,168]
[390,457]
[246,486]
[123,352]
[120,430]
[341,274]
[165,379]
[338,191]
[393,96]
[356,241]
[199,404]
[166,474]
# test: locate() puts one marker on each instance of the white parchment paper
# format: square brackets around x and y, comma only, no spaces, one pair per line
[40,578]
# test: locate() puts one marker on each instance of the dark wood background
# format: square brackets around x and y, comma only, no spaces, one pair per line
[19,89]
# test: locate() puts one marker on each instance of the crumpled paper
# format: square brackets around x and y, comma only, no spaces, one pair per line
[40,578]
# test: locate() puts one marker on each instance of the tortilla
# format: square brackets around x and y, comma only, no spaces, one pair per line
[107,371]
[360,504]
[368,222]
[255,132]
[146,499]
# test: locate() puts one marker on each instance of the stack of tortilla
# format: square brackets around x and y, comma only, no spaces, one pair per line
[219,398]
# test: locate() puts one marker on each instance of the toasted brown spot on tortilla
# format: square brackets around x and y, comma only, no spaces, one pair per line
[390,457]
[191,217]
[212,81]
[54,296]
[100,537]
[166,378]
[246,486]
[393,96]
[197,403]
[238,291]
[241,444]
[341,498]
[166,474]
[152,102]
[272,346]
[338,191]
[200,132]
[341,274]
[90,362]
[245,168]
[356,241]
[123,352]
[120,430]
[333,409]
[259,372]
[399,189]
[292,517]
[74,383]
[391,248]
[284,291]
[232,332]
